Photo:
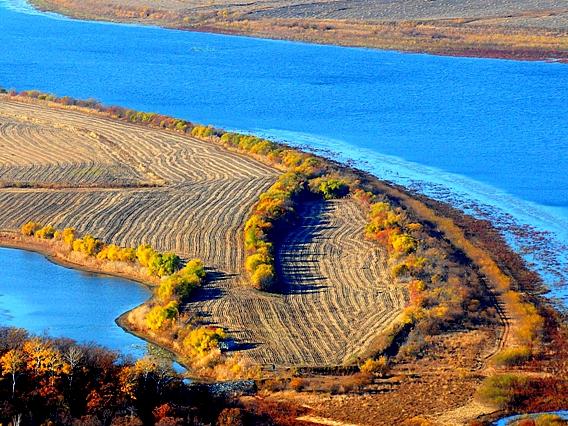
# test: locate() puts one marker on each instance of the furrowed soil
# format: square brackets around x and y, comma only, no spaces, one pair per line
[336,294]
[129,184]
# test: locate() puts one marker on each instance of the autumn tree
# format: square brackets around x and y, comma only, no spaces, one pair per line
[144,254]
[29,228]
[46,233]
[203,340]
[162,264]
[12,363]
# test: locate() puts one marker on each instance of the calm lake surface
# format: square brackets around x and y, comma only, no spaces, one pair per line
[40,296]
[491,136]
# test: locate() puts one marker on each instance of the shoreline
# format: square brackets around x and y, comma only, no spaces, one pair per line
[45,251]
[481,244]
[6,242]
[441,37]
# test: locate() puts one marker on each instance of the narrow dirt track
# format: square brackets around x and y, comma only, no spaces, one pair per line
[337,293]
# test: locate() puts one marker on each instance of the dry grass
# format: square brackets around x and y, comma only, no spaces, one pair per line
[509,29]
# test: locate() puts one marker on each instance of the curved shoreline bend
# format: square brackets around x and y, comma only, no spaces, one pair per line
[476,248]
[10,240]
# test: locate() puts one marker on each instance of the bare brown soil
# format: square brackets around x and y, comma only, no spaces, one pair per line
[197,206]
[439,388]
[510,29]
[337,294]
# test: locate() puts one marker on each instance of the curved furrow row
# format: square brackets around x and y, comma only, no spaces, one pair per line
[336,296]
[169,156]
[43,155]
[337,293]
[25,143]
[179,219]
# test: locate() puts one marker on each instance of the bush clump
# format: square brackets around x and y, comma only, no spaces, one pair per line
[30,228]
[499,390]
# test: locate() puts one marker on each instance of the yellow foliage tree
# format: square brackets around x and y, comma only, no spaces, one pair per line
[144,254]
[12,363]
[68,236]
[159,315]
[46,233]
[263,277]
[378,366]
[203,340]
[29,228]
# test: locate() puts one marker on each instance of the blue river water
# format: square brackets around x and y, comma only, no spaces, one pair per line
[488,135]
[508,420]
[45,298]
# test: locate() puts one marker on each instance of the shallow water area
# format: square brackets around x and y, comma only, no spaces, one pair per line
[44,297]
[490,136]
[508,420]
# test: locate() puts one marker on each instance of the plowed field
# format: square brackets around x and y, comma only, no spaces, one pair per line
[129,184]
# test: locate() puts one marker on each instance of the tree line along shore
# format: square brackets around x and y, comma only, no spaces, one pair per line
[457,273]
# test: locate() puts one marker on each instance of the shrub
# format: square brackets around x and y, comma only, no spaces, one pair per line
[379,366]
[144,254]
[410,265]
[182,283]
[513,356]
[29,228]
[402,243]
[298,384]
[46,233]
[203,340]
[159,315]
[382,217]
[500,389]
[263,277]
[329,187]
[162,264]
[88,245]
[253,261]
[68,236]
[115,253]
[194,267]
[202,131]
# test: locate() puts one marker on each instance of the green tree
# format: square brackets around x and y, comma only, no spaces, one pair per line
[162,264]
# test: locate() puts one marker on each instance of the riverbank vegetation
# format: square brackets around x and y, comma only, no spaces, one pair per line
[173,281]
[413,261]
[519,32]
[57,381]
[437,282]
[149,262]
